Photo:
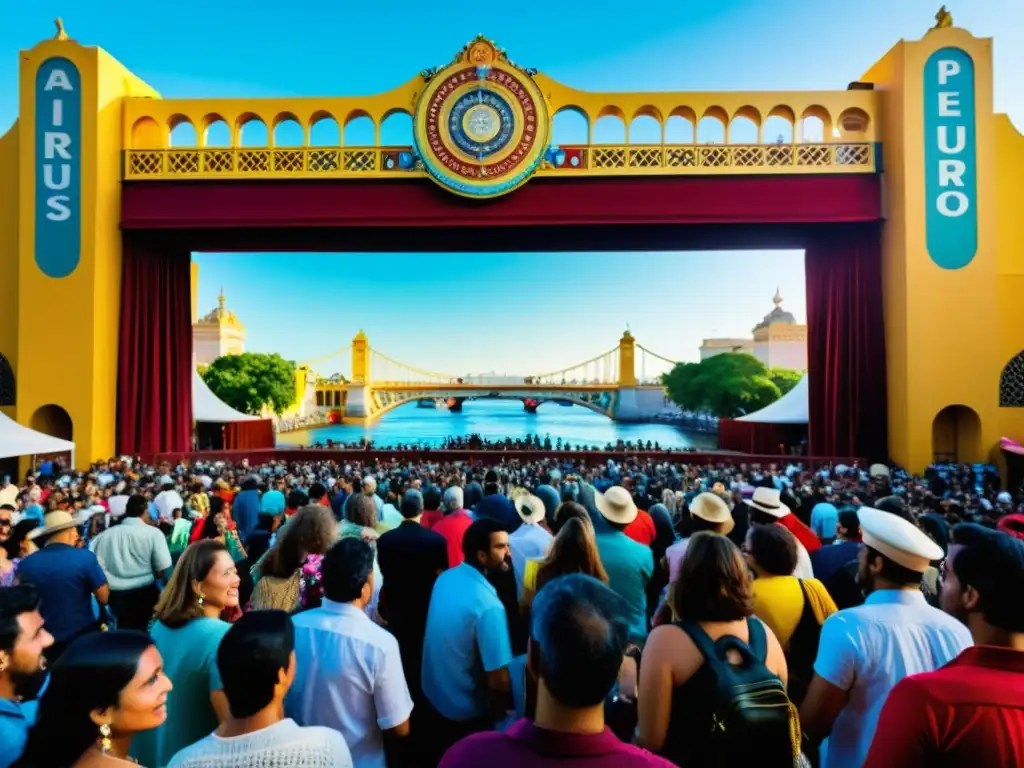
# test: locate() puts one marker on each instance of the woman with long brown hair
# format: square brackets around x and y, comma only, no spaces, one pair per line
[573,550]
[306,538]
[187,633]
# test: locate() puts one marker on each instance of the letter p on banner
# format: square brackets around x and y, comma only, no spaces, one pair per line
[950,159]
[58,167]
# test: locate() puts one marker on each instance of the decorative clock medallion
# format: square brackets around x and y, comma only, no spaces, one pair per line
[482,124]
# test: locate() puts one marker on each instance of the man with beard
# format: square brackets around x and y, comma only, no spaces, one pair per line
[972,710]
[864,651]
[22,667]
[467,650]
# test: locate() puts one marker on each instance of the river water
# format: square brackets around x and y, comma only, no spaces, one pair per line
[496,420]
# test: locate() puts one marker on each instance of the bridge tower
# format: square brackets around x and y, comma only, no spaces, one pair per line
[627,366]
[360,359]
[357,403]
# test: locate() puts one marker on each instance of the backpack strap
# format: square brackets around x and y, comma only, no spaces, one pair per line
[700,638]
[757,641]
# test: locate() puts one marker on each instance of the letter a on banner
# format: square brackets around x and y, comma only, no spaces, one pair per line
[58,168]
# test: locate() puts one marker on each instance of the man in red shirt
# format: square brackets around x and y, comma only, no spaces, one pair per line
[971,711]
[454,524]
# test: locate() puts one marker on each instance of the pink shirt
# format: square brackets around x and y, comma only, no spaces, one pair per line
[674,555]
[524,744]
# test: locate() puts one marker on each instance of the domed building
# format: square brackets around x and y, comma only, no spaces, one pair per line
[217,333]
[779,341]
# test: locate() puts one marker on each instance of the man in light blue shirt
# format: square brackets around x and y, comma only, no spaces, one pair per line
[467,649]
[864,651]
[133,555]
[23,638]
[349,670]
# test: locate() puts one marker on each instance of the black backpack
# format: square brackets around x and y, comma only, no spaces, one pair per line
[753,720]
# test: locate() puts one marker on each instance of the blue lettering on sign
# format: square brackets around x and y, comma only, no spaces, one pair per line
[951,159]
[58,235]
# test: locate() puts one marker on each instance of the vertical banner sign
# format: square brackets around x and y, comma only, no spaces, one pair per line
[950,159]
[58,161]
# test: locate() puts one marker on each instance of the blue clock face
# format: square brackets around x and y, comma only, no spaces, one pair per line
[481,123]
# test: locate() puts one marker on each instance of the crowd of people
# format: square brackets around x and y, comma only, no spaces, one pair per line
[476,442]
[639,612]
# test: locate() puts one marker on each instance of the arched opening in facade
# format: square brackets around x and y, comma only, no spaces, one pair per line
[52,420]
[956,435]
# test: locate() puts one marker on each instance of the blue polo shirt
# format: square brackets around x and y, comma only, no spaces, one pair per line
[16,718]
[466,637]
[65,578]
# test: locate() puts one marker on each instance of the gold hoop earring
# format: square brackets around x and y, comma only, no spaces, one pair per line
[105,738]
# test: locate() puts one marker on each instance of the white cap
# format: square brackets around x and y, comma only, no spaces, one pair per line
[878,470]
[899,540]
[1004,498]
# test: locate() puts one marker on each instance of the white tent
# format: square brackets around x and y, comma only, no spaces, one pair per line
[16,440]
[792,408]
[207,407]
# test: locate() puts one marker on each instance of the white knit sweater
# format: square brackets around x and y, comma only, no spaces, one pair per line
[281,745]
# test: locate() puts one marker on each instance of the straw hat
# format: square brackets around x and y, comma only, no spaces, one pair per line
[713,509]
[53,523]
[530,508]
[899,540]
[769,501]
[616,505]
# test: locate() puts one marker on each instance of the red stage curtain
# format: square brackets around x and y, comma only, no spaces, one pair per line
[846,343]
[154,362]
[761,439]
[248,435]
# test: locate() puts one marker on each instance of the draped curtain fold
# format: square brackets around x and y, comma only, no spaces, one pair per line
[154,376]
[846,364]
[248,435]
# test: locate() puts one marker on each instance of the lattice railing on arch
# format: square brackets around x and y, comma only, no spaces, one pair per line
[601,160]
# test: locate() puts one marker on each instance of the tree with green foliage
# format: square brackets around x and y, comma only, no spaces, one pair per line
[784,378]
[726,385]
[251,380]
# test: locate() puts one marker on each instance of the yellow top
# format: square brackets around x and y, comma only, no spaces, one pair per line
[779,603]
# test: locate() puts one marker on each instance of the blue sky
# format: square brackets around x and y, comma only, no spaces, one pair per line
[516,313]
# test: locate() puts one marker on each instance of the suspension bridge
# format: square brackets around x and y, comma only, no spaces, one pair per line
[622,383]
